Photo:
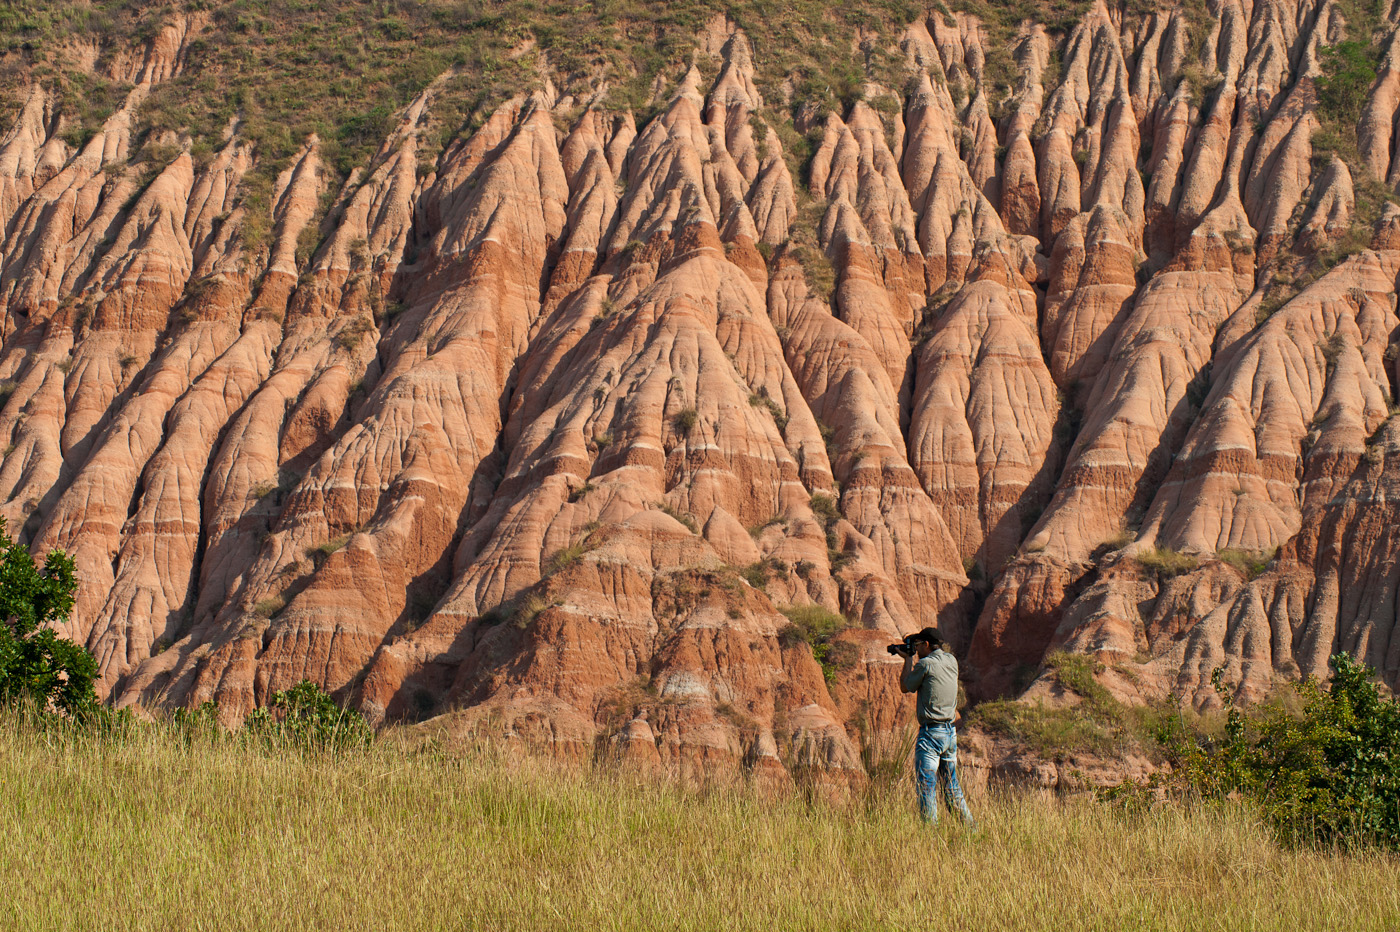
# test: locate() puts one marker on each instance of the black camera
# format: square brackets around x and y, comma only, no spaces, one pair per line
[904,647]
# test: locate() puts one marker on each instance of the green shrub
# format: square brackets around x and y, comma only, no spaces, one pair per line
[824,507]
[685,421]
[1327,774]
[1053,731]
[1348,71]
[565,557]
[354,332]
[269,606]
[761,398]
[306,718]
[200,722]
[755,574]
[758,573]
[1200,82]
[1097,724]
[1079,674]
[816,268]
[828,440]
[816,627]
[680,516]
[776,521]
[1114,542]
[827,512]
[328,547]
[35,663]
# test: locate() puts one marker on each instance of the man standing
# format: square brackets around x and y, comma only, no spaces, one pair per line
[934,676]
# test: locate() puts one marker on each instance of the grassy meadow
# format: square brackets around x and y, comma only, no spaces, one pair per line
[163,829]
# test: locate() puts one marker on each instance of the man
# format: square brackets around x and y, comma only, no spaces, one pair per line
[934,676]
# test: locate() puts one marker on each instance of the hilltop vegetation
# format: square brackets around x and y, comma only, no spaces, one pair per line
[341,69]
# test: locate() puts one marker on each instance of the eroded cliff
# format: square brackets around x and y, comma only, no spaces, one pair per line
[647,434]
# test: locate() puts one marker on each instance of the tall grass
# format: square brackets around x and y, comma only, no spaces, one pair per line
[159,828]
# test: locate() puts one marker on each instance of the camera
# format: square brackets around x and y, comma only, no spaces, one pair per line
[904,647]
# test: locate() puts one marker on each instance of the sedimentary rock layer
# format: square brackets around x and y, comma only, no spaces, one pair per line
[587,429]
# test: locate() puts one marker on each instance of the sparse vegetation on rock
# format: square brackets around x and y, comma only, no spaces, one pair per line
[817,627]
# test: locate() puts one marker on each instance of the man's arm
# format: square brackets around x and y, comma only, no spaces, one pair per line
[910,676]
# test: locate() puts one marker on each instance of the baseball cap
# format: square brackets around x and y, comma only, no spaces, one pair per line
[929,635]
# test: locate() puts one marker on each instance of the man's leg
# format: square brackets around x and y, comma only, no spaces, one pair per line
[926,759]
[948,774]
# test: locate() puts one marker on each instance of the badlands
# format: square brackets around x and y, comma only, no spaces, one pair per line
[646,423]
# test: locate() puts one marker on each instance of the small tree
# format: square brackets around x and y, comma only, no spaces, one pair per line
[34,661]
[1334,773]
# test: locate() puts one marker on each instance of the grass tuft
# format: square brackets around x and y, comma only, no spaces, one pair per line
[680,516]
[326,548]
[1250,563]
[1164,562]
[685,421]
[1097,724]
[566,557]
[269,606]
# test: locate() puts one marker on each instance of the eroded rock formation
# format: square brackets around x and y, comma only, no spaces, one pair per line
[554,428]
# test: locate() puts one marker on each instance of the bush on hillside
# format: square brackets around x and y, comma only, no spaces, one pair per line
[1348,71]
[1250,563]
[1096,724]
[1329,774]
[35,663]
[306,717]
[817,627]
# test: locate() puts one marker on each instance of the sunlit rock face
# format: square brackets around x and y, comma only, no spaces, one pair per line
[555,427]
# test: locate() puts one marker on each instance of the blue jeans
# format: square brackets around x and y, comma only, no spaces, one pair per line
[936,761]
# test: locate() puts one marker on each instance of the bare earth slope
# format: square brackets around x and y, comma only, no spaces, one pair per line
[556,428]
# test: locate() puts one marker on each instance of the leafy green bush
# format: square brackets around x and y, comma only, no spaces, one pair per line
[828,512]
[1078,673]
[35,663]
[1330,774]
[825,508]
[305,717]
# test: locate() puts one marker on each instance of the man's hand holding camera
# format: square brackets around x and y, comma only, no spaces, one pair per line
[914,647]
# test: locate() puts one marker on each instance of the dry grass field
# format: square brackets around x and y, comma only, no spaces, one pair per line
[160,830]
